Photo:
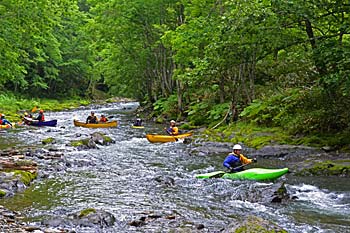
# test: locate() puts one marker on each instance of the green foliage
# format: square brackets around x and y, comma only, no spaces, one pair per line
[14,106]
[38,40]
[166,107]
[275,110]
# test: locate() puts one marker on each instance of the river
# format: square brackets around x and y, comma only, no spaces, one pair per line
[133,177]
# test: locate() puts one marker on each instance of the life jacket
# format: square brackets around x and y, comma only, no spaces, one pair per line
[92,119]
[138,122]
[0,121]
[238,162]
[103,119]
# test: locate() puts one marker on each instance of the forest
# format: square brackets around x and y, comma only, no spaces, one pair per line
[267,62]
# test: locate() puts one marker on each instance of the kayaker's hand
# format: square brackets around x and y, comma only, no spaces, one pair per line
[232,169]
[255,160]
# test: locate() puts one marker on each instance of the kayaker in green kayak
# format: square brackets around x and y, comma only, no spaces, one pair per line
[235,160]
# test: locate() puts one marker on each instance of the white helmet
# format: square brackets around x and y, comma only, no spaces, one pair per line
[172,121]
[237,147]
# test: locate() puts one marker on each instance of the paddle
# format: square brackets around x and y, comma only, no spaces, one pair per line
[176,139]
[241,166]
[34,109]
[219,174]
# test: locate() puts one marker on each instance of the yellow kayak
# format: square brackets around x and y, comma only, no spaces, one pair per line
[154,138]
[98,125]
[137,127]
[5,126]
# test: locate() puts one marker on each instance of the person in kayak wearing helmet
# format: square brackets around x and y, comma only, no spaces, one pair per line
[235,160]
[41,116]
[138,121]
[92,119]
[4,121]
[172,130]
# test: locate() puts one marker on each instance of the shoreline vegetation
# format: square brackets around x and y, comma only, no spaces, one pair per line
[14,107]
[243,130]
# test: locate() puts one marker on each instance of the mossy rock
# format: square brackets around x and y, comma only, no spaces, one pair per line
[82,142]
[48,141]
[86,212]
[254,224]
[25,162]
[2,193]
[328,168]
[107,139]
[25,176]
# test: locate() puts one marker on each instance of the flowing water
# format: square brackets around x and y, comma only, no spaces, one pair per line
[133,177]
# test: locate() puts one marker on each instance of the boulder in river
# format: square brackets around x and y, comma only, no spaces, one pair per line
[253,224]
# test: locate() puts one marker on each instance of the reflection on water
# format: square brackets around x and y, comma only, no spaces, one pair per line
[133,176]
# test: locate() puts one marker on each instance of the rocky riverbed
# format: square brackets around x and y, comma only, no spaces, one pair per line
[167,170]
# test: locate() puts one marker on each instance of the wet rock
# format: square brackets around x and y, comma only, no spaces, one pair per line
[209,148]
[9,221]
[281,194]
[56,222]
[326,168]
[92,217]
[91,144]
[137,223]
[200,226]
[48,141]
[282,151]
[165,180]
[253,224]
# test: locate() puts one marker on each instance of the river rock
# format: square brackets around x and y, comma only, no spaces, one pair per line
[165,180]
[210,148]
[335,167]
[281,194]
[253,224]
[92,217]
[282,151]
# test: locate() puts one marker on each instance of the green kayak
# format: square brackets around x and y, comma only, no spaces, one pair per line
[249,174]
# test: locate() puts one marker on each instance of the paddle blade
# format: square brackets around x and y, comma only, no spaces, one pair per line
[34,109]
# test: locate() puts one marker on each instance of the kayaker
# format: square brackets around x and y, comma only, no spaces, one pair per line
[103,118]
[28,115]
[235,159]
[27,118]
[4,121]
[92,119]
[41,116]
[172,130]
[138,121]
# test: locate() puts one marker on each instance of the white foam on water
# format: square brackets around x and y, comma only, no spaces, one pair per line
[321,198]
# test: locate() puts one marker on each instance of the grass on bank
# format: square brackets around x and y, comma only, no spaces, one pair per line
[13,107]
[252,135]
